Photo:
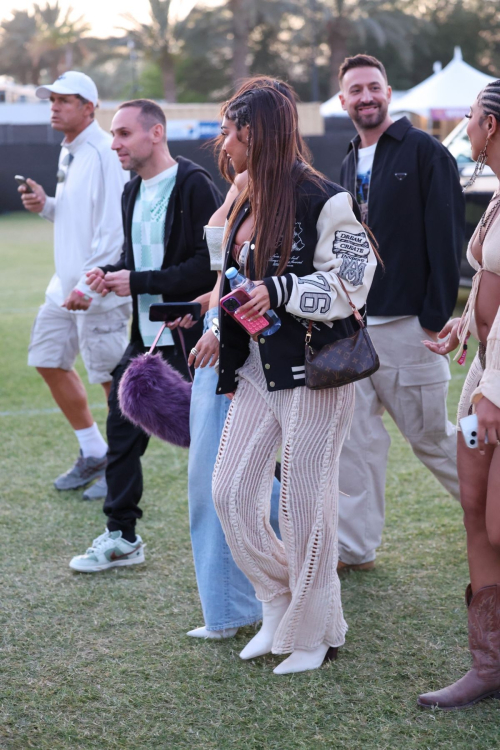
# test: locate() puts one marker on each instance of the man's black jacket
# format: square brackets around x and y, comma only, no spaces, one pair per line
[416,211]
[185,271]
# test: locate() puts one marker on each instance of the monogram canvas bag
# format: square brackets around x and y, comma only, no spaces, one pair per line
[343,361]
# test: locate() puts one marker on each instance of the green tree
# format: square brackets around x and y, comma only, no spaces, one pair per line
[157,43]
[473,25]
[16,35]
[349,24]
[57,44]
[231,41]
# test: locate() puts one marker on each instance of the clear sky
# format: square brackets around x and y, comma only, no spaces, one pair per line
[104,15]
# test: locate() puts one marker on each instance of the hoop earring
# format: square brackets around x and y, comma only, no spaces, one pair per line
[480,164]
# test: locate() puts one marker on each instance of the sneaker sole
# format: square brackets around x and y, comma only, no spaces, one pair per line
[87,495]
[105,566]
[82,483]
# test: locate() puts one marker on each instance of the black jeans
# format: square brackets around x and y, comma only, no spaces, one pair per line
[127,443]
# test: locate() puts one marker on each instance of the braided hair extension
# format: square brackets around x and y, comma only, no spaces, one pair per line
[489,100]
[257,82]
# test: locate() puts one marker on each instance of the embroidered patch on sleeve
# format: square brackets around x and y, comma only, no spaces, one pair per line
[353,249]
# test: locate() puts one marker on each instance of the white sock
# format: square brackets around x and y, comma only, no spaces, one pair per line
[91,442]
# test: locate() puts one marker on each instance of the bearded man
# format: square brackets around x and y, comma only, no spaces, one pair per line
[408,189]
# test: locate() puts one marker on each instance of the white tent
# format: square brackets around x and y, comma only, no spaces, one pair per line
[445,95]
[332,108]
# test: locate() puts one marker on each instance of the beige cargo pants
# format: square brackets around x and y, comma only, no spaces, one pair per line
[412,385]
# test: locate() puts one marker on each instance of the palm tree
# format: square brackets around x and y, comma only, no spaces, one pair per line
[16,35]
[57,44]
[156,40]
[228,32]
[346,20]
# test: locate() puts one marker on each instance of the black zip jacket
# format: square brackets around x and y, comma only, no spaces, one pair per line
[416,210]
[329,242]
[185,272]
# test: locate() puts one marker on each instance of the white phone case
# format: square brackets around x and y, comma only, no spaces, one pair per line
[469,430]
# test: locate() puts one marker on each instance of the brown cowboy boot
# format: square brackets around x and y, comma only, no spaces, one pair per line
[468,595]
[483,680]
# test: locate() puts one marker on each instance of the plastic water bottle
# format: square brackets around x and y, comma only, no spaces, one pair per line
[238,281]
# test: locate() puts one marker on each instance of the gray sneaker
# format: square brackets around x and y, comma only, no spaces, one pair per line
[83,472]
[96,491]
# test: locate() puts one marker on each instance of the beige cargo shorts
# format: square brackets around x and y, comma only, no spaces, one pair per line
[58,336]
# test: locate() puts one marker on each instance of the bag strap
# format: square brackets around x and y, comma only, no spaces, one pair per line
[183,346]
[353,307]
[153,345]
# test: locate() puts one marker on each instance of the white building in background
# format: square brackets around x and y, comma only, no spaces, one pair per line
[15,93]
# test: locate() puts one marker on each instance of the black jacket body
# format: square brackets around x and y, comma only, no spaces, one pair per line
[285,349]
[185,272]
[416,210]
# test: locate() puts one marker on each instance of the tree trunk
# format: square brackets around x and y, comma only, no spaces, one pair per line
[168,77]
[337,33]
[55,68]
[241,32]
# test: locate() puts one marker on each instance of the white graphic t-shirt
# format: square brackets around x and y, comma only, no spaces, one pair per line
[148,232]
[363,177]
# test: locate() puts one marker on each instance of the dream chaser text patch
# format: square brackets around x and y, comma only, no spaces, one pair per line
[353,249]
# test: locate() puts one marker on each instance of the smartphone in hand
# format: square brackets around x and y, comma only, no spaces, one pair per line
[22,181]
[167,312]
[232,302]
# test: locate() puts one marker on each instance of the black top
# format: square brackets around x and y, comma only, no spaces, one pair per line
[185,272]
[416,210]
[283,353]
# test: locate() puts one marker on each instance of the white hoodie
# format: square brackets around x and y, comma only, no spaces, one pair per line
[86,212]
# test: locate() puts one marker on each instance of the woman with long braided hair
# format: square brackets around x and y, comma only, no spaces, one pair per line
[305,241]
[479,470]
[227,597]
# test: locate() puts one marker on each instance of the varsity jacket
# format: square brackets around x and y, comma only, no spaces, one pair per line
[416,210]
[185,272]
[328,242]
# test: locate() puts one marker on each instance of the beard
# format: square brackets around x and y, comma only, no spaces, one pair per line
[133,164]
[368,122]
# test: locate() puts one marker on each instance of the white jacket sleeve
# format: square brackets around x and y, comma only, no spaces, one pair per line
[107,182]
[49,209]
[342,249]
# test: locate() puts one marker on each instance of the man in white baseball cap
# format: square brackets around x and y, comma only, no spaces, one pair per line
[86,212]
[72,82]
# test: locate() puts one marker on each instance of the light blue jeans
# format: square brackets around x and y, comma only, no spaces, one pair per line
[227,596]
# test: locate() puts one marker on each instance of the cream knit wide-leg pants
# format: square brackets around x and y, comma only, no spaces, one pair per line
[311,427]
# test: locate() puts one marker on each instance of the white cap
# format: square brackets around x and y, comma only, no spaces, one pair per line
[71,82]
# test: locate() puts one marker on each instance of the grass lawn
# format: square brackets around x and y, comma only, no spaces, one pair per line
[102,661]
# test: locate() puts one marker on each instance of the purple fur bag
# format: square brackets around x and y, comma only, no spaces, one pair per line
[155,397]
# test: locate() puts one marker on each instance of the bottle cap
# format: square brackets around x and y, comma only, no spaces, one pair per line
[231,273]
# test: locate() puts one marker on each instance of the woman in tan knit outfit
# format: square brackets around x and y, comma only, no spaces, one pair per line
[479,470]
[302,234]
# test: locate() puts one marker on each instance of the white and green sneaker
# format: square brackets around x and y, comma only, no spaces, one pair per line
[109,550]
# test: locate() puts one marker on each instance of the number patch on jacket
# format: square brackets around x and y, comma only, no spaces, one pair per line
[353,249]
